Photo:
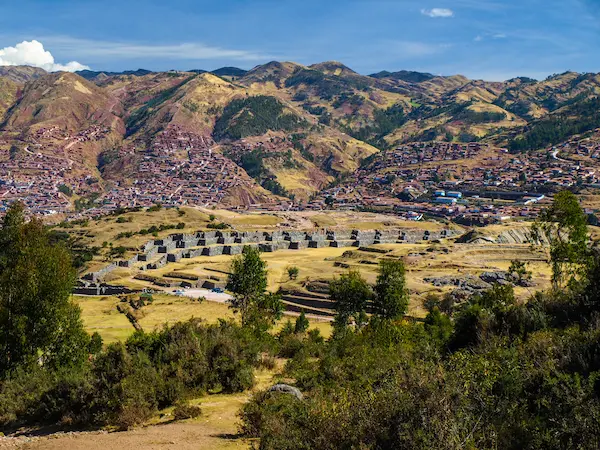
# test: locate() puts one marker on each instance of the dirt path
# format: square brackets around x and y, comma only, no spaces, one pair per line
[216,429]
[181,436]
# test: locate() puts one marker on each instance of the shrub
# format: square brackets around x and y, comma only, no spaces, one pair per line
[293,272]
[218,226]
[267,362]
[155,208]
[301,324]
[185,411]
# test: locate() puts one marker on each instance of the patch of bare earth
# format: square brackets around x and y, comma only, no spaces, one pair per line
[216,428]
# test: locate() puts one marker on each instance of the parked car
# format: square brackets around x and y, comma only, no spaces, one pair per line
[217,290]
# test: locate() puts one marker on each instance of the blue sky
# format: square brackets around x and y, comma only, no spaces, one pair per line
[489,39]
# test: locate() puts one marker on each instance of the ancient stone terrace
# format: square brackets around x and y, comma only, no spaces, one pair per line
[158,253]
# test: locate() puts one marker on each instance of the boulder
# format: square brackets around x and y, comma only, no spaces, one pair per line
[287,389]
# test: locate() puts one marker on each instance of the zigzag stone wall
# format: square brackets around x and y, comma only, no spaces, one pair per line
[216,243]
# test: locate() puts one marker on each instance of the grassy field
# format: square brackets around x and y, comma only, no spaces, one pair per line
[445,259]
[100,314]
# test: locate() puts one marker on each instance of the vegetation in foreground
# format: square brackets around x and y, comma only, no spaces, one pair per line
[486,373]
[52,371]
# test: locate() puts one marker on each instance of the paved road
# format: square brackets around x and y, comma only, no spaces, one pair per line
[209,295]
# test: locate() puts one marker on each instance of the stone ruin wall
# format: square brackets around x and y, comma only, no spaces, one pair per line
[215,243]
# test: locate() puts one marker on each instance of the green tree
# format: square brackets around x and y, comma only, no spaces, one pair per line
[350,293]
[391,294]
[518,272]
[263,312]
[38,320]
[431,301]
[301,324]
[96,343]
[564,226]
[439,326]
[248,282]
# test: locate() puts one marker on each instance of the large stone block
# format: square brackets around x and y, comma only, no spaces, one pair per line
[232,249]
[174,257]
[298,245]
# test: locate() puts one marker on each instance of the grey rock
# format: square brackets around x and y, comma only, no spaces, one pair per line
[287,389]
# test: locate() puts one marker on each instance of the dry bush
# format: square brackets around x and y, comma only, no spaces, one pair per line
[186,411]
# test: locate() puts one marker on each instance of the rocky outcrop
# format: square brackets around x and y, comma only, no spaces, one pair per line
[520,235]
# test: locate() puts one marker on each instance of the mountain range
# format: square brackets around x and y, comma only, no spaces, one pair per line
[293,129]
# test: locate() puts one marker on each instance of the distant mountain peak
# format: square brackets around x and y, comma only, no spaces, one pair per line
[333,68]
[404,75]
[92,74]
[230,72]
[21,74]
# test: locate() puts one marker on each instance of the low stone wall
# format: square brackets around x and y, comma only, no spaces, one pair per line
[101,273]
[101,289]
[167,247]
[298,245]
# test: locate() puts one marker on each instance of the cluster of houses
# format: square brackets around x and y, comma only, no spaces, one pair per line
[182,168]
[40,173]
[271,144]
[34,178]
[432,178]
[178,168]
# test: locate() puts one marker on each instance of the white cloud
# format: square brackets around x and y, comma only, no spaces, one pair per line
[125,50]
[32,53]
[438,12]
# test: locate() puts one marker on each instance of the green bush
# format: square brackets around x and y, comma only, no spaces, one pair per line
[185,411]
[125,384]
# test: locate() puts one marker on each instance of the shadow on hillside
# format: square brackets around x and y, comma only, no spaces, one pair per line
[46,430]
[228,436]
